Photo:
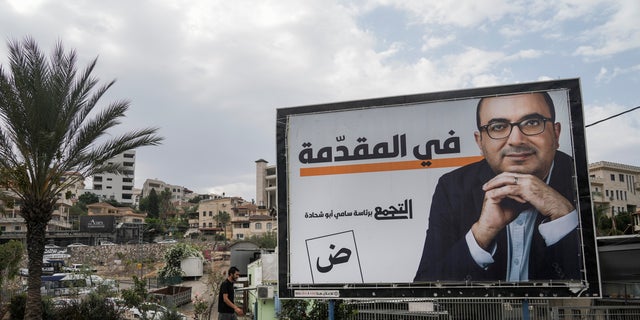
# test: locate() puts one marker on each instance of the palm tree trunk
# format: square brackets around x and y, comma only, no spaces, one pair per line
[36,228]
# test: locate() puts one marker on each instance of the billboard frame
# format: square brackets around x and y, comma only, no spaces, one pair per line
[588,287]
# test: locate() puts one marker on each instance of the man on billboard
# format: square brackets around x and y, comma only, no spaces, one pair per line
[511,216]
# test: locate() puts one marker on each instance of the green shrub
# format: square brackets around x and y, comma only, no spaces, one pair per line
[17,305]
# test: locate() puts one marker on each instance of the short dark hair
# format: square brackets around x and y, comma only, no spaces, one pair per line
[233,270]
[545,95]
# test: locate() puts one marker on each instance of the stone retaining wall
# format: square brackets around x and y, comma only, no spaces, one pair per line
[120,260]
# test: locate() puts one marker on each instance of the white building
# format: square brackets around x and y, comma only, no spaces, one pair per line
[118,187]
[615,187]
[179,194]
[266,185]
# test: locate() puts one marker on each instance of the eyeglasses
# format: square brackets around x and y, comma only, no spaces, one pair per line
[528,127]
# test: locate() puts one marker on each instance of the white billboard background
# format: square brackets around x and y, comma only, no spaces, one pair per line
[370,227]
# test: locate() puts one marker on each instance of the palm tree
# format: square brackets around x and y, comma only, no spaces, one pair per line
[46,132]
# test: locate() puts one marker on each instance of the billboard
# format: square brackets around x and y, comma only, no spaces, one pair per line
[97,224]
[418,195]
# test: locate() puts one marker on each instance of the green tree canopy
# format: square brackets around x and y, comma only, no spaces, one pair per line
[88,198]
[267,240]
[153,204]
[47,132]
[10,256]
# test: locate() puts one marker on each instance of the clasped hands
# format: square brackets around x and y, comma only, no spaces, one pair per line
[504,192]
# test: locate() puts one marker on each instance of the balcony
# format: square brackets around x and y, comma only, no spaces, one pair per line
[12,220]
[61,224]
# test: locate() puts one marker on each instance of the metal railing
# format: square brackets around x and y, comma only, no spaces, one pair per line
[494,309]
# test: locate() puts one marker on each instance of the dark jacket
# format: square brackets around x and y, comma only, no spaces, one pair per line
[456,206]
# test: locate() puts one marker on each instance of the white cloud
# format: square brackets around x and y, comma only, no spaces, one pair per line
[613,140]
[621,32]
[605,76]
[239,189]
[525,54]
[25,6]
[462,13]
[432,42]
[602,75]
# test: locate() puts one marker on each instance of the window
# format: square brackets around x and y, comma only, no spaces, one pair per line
[204,214]
[239,236]
[204,225]
[621,177]
[210,214]
[613,177]
[245,225]
[16,228]
[269,226]
[3,228]
[258,226]
[210,224]
[607,192]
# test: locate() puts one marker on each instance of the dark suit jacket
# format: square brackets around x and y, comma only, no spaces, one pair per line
[456,206]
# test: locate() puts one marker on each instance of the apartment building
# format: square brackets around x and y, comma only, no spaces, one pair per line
[118,187]
[10,219]
[251,220]
[179,194]
[246,218]
[208,218]
[615,187]
[12,222]
[266,185]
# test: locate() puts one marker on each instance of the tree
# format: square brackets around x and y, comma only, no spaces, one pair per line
[223,218]
[267,240]
[88,198]
[46,132]
[10,256]
[294,309]
[80,207]
[164,203]
[153,204]
[624,223]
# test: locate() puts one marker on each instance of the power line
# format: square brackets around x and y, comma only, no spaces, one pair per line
[613,116]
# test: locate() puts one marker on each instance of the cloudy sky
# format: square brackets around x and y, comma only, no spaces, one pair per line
[211,74]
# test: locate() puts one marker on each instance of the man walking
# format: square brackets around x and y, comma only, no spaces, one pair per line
[227,310]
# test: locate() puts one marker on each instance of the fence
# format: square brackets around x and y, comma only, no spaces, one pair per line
[157,282]
[494,309]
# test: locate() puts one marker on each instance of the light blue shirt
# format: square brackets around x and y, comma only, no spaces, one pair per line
[519,235]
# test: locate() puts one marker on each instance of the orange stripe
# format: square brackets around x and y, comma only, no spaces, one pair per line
[389,166]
